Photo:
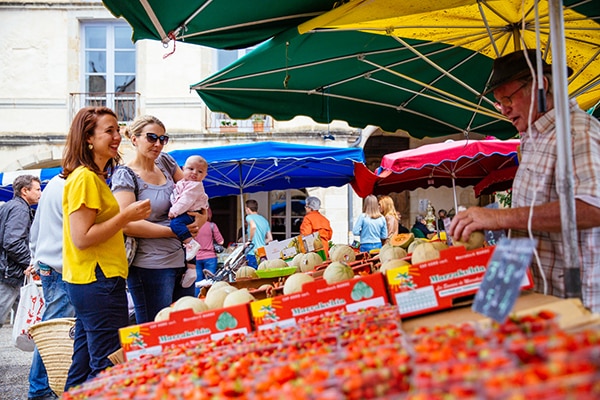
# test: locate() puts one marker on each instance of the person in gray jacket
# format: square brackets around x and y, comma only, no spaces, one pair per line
[16,216]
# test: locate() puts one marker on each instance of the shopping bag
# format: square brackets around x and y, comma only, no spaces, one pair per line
[30,311]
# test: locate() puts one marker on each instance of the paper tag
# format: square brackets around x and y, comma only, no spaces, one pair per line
[503,278]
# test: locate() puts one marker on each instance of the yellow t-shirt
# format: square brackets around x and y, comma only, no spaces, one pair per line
[84,187]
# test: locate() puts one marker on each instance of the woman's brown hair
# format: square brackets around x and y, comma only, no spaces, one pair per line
[77,153]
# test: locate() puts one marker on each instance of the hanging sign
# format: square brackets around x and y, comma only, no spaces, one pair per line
[503,278]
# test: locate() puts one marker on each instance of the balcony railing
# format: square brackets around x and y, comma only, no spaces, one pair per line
[221,123]
[124,104]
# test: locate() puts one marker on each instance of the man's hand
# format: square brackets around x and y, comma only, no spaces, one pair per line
[474,219]
[30,271]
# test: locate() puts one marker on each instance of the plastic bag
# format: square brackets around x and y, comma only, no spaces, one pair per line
[30,311]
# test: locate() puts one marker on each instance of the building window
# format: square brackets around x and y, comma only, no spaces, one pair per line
[109,67]
[287,212]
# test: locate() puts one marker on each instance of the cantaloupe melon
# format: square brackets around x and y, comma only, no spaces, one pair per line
[294,282]
[342,252]
[190,302]
[476,241]
[337,272]
[402,239]
[389,252]
[245,273]
[309,261]
[392,264]
[241,296]
[424,252]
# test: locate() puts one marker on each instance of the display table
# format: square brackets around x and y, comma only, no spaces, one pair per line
[572,313]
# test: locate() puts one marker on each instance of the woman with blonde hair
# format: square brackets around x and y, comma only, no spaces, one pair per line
[386,206]
[370,226]
[155,276]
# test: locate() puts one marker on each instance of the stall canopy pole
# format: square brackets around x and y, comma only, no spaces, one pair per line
[242,204]
[565,180]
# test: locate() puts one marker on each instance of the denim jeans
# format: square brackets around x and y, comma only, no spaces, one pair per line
[366,247]
[209,264]
[154,289]
[57,306]
[101,310]
[179,226]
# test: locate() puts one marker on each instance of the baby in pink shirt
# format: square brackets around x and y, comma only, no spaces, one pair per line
[188,195]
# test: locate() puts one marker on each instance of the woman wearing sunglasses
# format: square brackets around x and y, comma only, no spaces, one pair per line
[155,275]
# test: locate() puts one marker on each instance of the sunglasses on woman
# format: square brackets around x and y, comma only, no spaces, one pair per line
[153,137]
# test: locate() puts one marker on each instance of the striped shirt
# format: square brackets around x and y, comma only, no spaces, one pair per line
[536,182]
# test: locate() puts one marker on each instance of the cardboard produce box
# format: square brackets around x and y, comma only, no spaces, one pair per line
[439,284]
[317,298]
[183,327]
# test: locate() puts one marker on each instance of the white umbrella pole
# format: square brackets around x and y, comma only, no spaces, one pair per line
[454,191]
[242,204]
[565,180]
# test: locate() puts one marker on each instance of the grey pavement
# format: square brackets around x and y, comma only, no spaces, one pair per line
[14,367]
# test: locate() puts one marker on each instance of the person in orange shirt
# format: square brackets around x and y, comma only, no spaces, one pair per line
[314,221]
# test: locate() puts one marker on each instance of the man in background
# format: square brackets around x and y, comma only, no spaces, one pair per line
[259,231]
[16,216]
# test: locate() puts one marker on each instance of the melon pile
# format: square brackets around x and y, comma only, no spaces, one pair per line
[395,253]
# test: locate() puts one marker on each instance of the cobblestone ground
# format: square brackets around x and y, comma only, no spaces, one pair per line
[14,367]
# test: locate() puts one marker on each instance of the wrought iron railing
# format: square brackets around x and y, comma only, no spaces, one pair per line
[221,123]
[124,104]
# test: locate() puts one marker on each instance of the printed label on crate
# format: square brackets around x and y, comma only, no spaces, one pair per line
[503,278]
[433,285]
[318,298]
[183,327]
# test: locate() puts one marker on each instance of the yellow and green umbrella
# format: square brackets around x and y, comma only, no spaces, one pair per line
[489,27]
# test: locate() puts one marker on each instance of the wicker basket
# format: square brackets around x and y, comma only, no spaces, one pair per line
[54,340]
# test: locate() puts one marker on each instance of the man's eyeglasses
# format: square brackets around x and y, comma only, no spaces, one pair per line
[506,101]
[153,137]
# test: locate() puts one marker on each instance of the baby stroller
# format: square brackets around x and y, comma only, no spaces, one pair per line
[235,260]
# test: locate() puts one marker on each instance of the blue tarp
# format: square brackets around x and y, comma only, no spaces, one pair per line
[265,166]
[251,167]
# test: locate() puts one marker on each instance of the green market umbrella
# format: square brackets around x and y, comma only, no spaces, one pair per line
[363,79]
[223,24]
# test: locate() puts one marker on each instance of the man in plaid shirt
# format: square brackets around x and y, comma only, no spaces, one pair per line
[536,180]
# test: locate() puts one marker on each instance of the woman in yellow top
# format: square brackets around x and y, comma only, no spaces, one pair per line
[95,265]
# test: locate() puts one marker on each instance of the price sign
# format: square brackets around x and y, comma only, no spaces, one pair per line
[503,278]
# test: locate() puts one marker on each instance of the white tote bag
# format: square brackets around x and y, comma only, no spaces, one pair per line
[30,311]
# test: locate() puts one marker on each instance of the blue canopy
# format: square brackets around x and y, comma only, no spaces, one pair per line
[250,168]
[7,178]
[265,166]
